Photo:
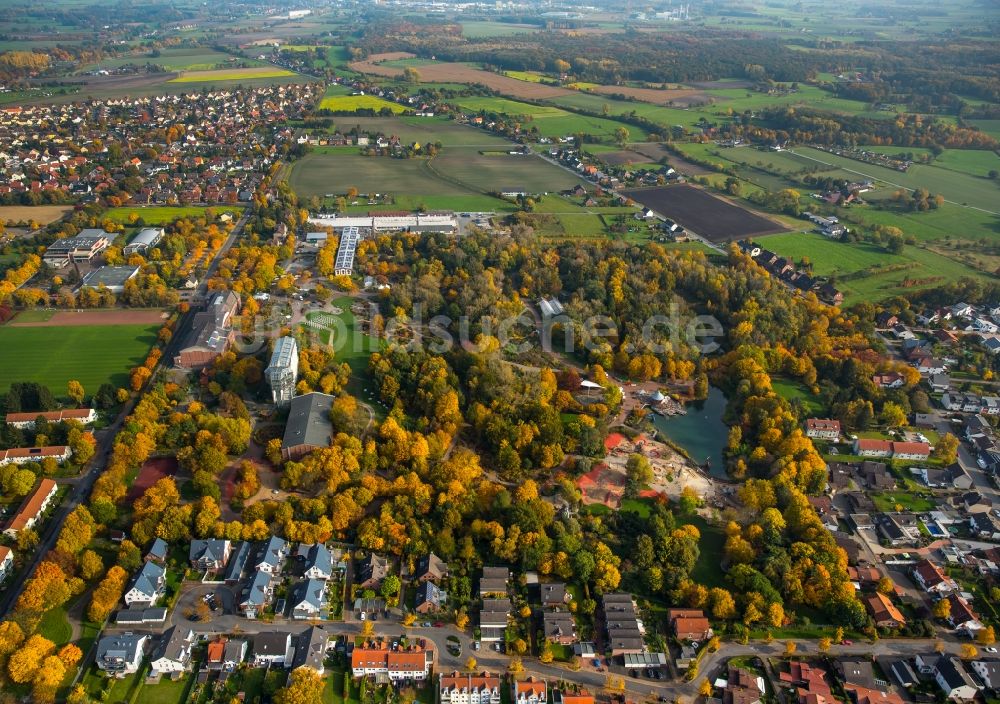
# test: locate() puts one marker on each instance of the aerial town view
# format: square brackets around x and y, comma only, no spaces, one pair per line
[507,352]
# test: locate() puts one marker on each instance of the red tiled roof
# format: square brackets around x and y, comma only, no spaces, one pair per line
[51,416]
[30,508]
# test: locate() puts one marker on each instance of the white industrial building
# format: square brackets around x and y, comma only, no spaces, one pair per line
[283,370]
[148,237]
[416,222]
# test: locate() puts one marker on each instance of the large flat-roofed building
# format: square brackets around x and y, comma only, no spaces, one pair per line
[283,370]
[387,222]
[344,265]
[308,426]
[211,332]
[32,508]
[147,238]
[112,278]
[80,248]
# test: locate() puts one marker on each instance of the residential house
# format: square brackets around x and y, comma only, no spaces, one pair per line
[910,450]
[954,680]
[86,416]
[689,624]
[372,570]
[872,448]
[559,627]
[988,672]
[884,612]
[309,599]
[383,662]
[985,526]
[256,594]
[931,579]
[6,562]
[625,632]
[308,427]
[158,551]
[270,555]
[431,568]
[234,654]
[215,652]
[962,617]
[494,581]
[809,682]
[120,654]
[876,476]
[430,598]
[482,688]
[554,594]
[32,508]
[317,561]
[974,502]
[889,380]
[311,648]
[565,697]
[272,648]
[173,654]
[494,617]
[236,565]
[529,691]
[148,585]
[743,687]
[823,428]
[210,554]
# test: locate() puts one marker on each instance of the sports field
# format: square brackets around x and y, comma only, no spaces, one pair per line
[91,354]
[163,215]
[350,103]
[231,74]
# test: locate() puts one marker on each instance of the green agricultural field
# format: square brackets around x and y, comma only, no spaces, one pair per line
[865,271]
[181,59]
[529,76]
[959,188]
[424,130]
[551,121]
[92,355]
[456,171]
[990,127]
[232,74]
[164,215]
[478,30]
[350,103]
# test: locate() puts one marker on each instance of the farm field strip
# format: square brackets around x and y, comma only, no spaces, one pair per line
[231,74]
[979,193]
[350,103]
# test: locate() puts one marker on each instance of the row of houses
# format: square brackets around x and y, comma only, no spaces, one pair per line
[784,269]
[32,508]
[897,450]
[121,654]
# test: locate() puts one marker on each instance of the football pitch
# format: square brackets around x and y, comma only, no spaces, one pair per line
[93,355]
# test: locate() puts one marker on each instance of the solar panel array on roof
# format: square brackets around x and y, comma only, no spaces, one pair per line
[345,253]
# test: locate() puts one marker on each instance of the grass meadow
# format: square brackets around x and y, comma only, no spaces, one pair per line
[164,215]
[232,74]
[551,121]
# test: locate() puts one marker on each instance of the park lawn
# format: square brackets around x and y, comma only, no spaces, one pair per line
[351,345]
[166,214]
[55,626]
[638,506]
[92,355]
[232,74]
[792,390]
[351,103]
[888,501]
[706,570]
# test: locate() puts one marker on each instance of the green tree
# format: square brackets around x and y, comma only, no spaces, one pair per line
[638,474]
